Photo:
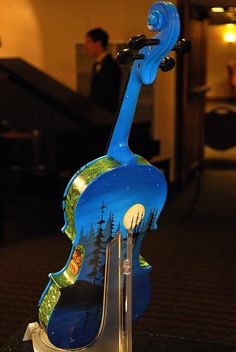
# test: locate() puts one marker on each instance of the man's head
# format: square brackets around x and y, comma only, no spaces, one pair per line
[96,42]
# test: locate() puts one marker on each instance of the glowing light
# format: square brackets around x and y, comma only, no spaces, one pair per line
[133,216]
[230,37]
[230,26]
[217,9]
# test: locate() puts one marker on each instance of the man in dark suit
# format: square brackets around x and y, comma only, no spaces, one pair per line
[106,74]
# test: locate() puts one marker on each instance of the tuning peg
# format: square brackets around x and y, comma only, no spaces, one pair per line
[167,64]
[183,46]
[139,41]
[128,56]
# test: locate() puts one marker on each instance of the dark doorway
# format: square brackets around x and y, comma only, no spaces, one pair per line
[191,89]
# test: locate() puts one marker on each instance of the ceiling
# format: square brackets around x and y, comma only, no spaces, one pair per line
[228,16]
[211,3]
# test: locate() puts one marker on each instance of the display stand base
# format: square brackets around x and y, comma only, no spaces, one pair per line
[115,333]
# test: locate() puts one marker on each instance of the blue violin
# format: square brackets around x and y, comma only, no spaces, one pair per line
[117,192]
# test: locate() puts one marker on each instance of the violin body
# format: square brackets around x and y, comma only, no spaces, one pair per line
[123,194]
[120,191]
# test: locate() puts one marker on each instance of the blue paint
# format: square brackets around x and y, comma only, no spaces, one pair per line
[162,17]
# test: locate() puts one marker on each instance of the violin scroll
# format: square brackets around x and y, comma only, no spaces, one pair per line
[155,19]
[164,19]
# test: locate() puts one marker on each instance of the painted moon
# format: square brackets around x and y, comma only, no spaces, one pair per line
[133,216]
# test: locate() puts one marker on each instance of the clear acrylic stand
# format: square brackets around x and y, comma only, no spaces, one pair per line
[115,332]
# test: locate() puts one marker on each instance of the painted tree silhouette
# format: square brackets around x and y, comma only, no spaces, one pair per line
[118,228]
[95,261]
[108,230]
[91,233]
[138,225]
[151,223]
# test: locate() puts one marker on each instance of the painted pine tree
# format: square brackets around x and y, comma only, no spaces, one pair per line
[118,228]
[138,225]
[150,223]
[108,230]
[95,263]
[91,233]
[152,220]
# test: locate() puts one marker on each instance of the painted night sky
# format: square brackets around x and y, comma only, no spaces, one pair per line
[119,189]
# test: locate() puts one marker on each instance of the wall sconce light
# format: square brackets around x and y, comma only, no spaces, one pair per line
[217,9]
[230,34]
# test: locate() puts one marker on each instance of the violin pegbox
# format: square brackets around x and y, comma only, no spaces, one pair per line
[162,18]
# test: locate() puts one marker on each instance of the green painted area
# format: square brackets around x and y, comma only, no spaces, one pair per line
[87,175]
[50,300]
[142,262]
[71,273]
[141,160]
[58,281]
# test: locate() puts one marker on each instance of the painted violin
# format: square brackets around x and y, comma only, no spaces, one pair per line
[117,192]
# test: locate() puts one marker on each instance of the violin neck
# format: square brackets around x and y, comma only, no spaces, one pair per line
[118,147]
